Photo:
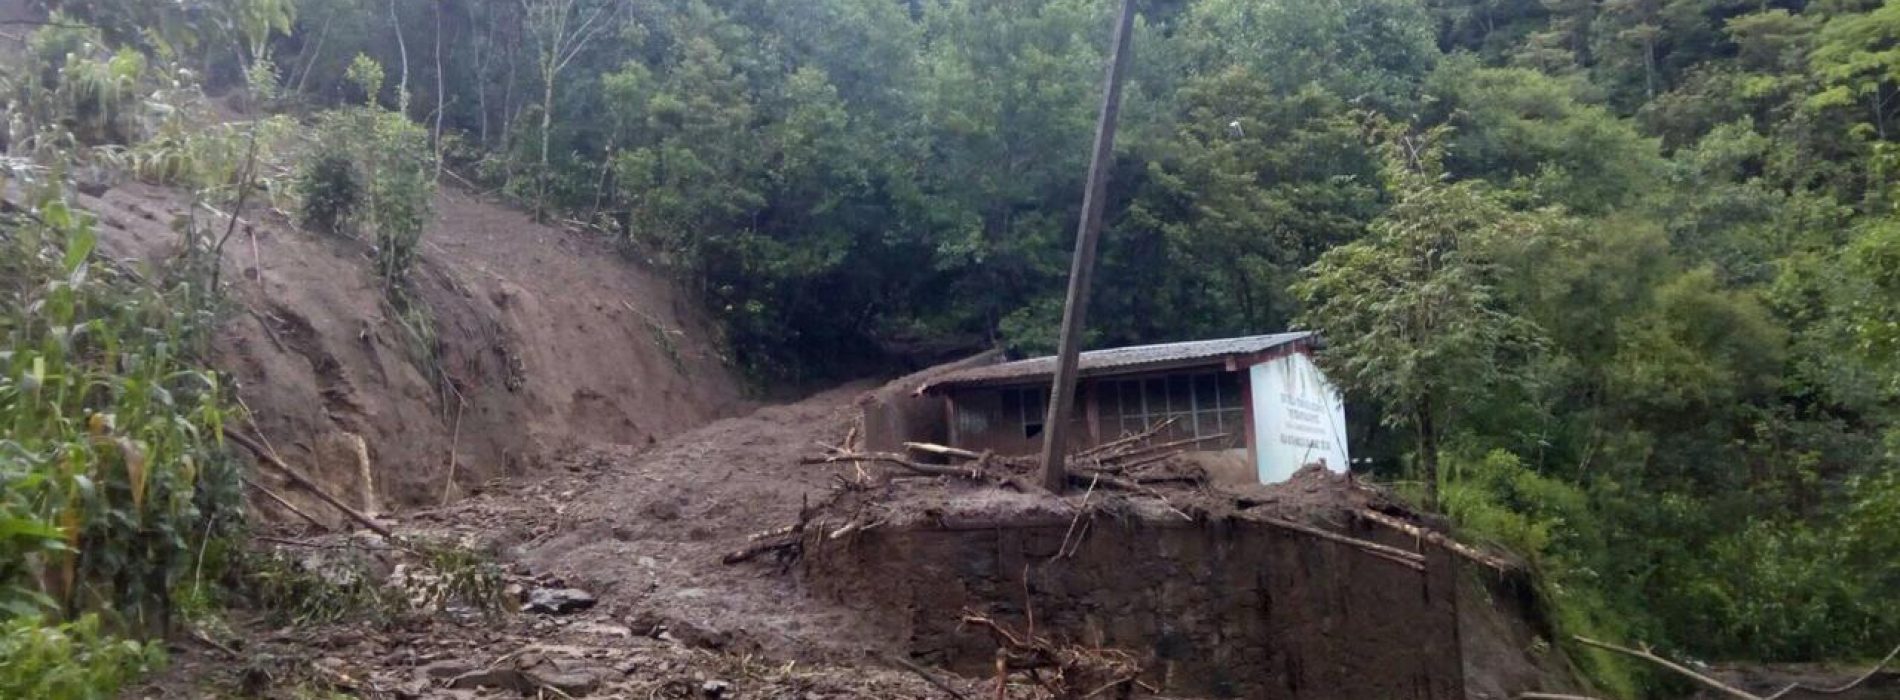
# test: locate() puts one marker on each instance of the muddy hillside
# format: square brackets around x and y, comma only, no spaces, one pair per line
[532,341]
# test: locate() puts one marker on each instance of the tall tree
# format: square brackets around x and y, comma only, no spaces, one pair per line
[1409,313]
[561,30]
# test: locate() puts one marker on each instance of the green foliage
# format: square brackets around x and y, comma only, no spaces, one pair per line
[1496,498]
[113,431]
[353,582]
[72,91]
[373,168]
[111,470]
[74,660]
[1411,310]
[330,193]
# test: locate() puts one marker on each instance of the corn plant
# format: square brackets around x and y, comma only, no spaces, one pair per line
[76,660]
[110,455]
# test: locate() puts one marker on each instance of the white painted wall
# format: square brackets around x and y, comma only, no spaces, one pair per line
[1299,418]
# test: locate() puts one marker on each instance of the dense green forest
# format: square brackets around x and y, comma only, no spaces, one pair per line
[1617,284]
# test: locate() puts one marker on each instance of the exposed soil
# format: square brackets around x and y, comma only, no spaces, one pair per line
[546,341]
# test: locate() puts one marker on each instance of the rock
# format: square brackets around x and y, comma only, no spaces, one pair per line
[507,678]
[715,689]
[558,601]
[445,669]
[574,681]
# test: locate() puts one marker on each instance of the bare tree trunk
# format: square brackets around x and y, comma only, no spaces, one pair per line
[439,100]
[402,47]
[547,126]
[310,65]
[1428,453]
[1649,68]
[483,54]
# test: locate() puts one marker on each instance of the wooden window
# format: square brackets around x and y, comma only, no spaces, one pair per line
[1026,408]
[1203,404]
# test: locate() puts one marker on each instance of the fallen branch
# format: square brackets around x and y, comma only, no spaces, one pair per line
[752,551]
[297,477]
[928,677]
[273,495]
[1175,446]
[1439,539]
[1119,443]
[1394,554]
[1646,655]
[944,450]
[1792,687]
[837,455]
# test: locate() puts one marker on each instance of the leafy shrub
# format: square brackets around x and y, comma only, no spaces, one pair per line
[330,192]
[390,171]
[1496,498]
[69,661]
[332,585]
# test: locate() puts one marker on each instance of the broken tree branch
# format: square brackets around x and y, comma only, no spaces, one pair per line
[279,499]
[1837,690]
[758,547]
[1646,655]
[1439,539]
[297,477]
[1394,554]
[928,677]
[837,455]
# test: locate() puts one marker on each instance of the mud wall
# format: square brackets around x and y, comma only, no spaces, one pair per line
[1233,609]
[895,414]
[542,340]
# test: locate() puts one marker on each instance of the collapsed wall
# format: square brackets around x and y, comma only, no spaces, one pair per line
[1213,600]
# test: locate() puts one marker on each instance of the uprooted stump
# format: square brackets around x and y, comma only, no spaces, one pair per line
[1284,592]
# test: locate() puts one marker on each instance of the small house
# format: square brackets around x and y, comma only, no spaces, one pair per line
[1261,405]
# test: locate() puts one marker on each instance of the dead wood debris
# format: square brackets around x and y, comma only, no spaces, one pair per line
[1066,671]
[1132,463]
[1643,652]
[1455,547]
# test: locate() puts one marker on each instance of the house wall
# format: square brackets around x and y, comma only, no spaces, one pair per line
[991,419]
[896,413]
[1203,401]
[1298,418]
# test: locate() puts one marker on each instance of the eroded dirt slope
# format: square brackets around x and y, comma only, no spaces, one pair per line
[547,340]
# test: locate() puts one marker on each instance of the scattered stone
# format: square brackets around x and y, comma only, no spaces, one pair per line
[440,670]
[506,678]
[574,681]
[558,601]
[715,689]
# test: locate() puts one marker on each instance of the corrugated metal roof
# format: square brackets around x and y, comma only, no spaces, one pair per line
[1119,360]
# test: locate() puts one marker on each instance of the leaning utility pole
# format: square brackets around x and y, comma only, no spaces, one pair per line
[1055,429]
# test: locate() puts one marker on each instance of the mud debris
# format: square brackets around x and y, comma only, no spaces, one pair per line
[558,601]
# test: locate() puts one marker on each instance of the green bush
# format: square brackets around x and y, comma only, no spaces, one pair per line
[374,168]
[330,193]
[68,661]
[1497,499]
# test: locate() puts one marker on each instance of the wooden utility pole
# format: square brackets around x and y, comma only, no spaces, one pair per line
[1055,428]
